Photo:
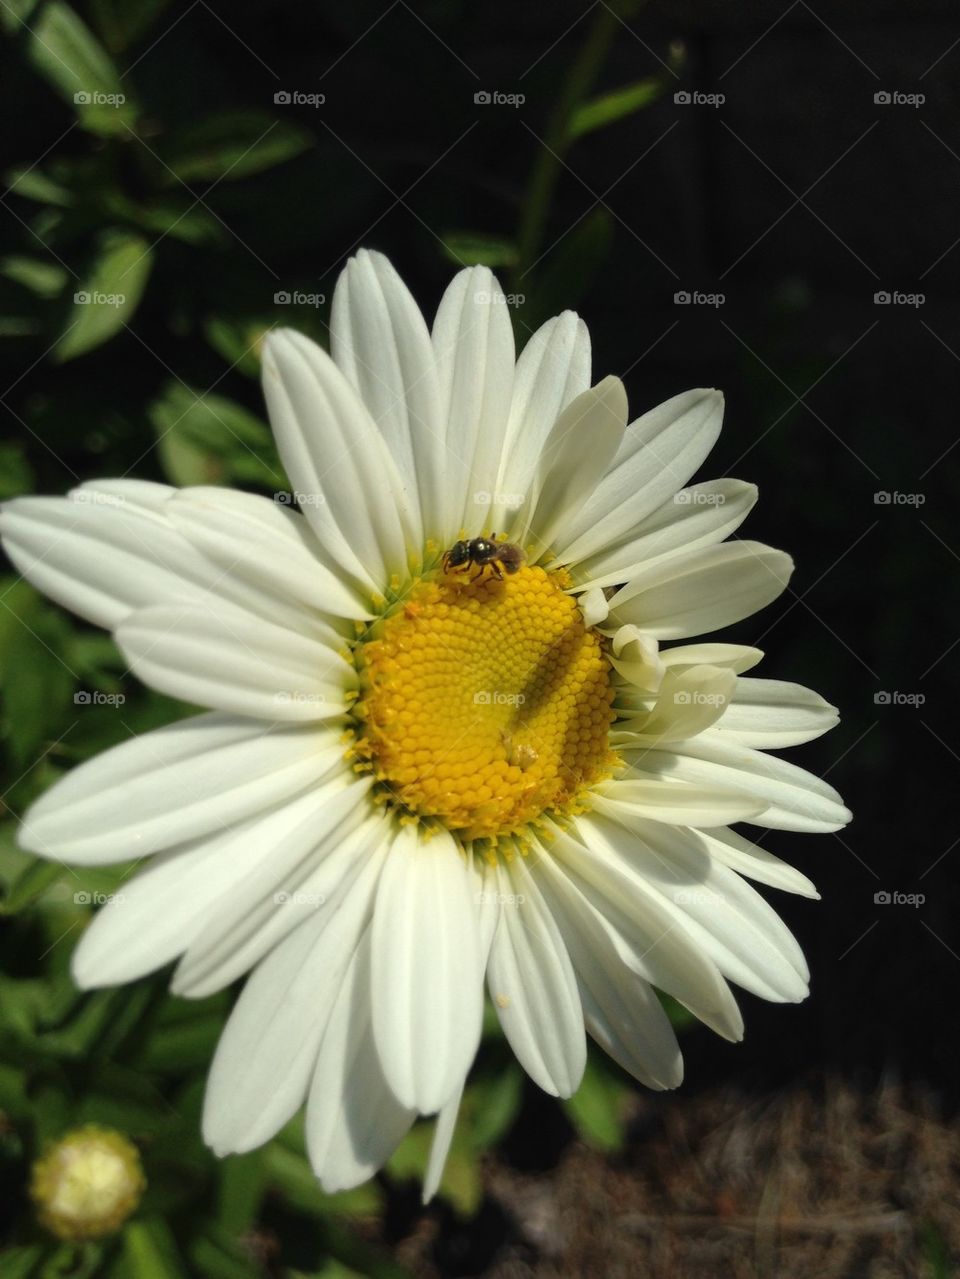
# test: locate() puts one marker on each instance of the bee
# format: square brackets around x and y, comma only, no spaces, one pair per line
[484,551]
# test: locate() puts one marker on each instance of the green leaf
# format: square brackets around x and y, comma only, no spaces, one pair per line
[150,1250]
[34,184]
[232,146]
[108,294]
[491,1104]
[477,248]
[31,884]
[45,279]
[616,105]
[240,1189]
[19,1263]
[208,439]
[66,53]
[35,680]
[238,341]
[16,477]
[595,1109]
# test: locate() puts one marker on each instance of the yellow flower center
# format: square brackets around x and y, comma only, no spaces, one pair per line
[485,702]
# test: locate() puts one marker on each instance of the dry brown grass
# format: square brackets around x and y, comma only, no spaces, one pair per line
[822,1182]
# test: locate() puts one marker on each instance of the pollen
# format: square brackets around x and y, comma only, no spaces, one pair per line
[485,703]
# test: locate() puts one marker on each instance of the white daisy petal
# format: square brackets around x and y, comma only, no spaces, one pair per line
[726,918]
[474,350]
[746,858]
[339,463]
[164,908]
[622,1012]
[552,370]
[225,661]
[770,714]
[354,1122]
[702,591]
[686,805]
[312,871]
[270,544]
[193,778]
[696,517]
[651,939]
[103,554]
[735,657]
[796,799]
[380,340]
[575,455]
[440,1145]
[534,989]
[689,701]
[427,974]
[659,453]
[268,1050]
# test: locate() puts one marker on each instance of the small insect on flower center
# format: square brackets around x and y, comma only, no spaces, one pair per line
[485,699]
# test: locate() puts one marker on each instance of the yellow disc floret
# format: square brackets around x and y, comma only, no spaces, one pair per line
[485,702]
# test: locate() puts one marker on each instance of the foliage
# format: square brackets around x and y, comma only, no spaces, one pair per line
[136,292]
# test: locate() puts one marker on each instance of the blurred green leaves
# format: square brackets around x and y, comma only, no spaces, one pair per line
[232,146]
[66,53]
[110,290]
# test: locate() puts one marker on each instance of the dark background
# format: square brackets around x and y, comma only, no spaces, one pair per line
[798,198]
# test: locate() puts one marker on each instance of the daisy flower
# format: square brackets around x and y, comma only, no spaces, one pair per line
[446,739]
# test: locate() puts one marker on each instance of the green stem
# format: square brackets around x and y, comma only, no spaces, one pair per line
[546,170]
